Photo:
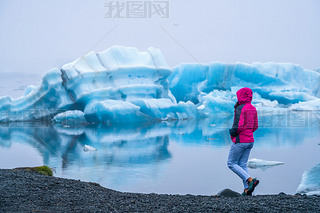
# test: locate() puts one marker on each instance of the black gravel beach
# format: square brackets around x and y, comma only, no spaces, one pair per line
[25,191]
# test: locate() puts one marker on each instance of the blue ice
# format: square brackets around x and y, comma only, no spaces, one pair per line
[125,85]
[310,183]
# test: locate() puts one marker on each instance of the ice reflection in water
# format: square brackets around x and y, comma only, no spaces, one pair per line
[182,157]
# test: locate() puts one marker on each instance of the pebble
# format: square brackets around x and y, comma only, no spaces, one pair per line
[23,191]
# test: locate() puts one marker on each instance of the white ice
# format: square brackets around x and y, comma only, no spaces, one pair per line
[310,183]
[88,148]
[255,163]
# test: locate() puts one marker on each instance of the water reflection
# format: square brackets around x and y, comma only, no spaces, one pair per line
[130,156]
[130,145]
[116,146]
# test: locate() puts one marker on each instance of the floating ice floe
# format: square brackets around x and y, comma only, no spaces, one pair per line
[310,183]
[255,163]
[125,85]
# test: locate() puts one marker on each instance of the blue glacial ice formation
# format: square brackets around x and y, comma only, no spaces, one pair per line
[118,85]
[281,82]
[310,183]
[124,85]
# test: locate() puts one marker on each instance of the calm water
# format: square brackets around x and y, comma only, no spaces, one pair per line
[178,158]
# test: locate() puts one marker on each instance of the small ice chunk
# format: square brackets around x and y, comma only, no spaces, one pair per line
[255,163]
[310,183]
[88,148]
[201,107]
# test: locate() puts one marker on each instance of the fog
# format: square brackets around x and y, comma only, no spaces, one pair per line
[37,35]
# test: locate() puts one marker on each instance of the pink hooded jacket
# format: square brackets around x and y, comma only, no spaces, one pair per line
[245,118]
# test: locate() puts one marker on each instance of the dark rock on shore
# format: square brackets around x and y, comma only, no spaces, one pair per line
[228,193]
[25,191]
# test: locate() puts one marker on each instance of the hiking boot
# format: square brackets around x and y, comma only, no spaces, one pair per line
[252,185]
[245,194]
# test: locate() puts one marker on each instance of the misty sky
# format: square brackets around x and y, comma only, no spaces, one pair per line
[37,35]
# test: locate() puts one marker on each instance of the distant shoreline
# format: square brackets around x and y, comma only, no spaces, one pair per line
[24,191]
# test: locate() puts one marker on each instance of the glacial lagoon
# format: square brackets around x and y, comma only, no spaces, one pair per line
[185,148]
[184,157]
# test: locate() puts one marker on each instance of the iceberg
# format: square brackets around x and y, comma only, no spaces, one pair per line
[312,105]
[255,163]
[42,102]
[282,82]
[310,183]
[118,85]
[124,85]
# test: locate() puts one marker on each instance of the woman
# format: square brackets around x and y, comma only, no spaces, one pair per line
[244,124]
